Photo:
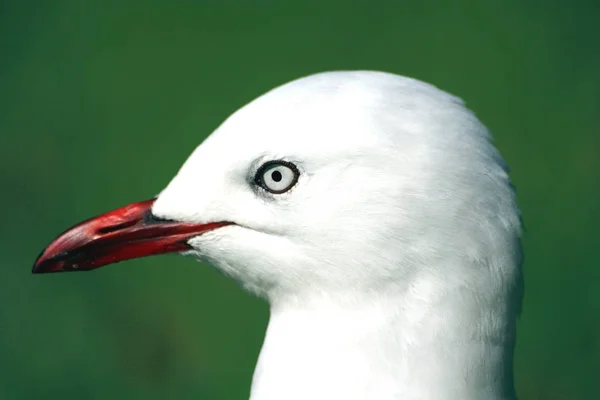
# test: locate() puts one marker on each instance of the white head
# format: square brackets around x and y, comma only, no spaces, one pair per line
[397,180]
[394,260]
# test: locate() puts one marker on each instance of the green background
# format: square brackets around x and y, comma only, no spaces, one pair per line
[101,102]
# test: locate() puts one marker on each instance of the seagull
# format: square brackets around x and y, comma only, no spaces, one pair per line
[375,216]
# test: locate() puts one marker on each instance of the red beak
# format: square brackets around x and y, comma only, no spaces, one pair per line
[128,232]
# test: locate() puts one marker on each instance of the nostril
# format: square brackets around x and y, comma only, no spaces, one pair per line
[113,228]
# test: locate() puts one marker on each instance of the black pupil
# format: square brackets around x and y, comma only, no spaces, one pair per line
[276,176]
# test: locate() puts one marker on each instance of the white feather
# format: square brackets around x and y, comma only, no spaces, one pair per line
[393,267]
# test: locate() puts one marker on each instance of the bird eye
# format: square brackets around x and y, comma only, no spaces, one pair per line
[277,176]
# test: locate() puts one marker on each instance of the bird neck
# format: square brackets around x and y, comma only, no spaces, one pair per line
[387,347]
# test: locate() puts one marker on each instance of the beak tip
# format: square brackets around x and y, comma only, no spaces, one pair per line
[44,265]
[47,264]
[36,265]
[39,268]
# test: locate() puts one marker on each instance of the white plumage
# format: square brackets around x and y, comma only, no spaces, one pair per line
[393,265]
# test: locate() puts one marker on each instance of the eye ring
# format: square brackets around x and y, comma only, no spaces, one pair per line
[277,176]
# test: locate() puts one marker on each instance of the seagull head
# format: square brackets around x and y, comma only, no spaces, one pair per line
[334,184]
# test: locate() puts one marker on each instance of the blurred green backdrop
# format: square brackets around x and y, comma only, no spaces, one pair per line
[101,102]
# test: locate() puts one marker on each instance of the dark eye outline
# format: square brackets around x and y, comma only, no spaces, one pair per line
[258,178]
